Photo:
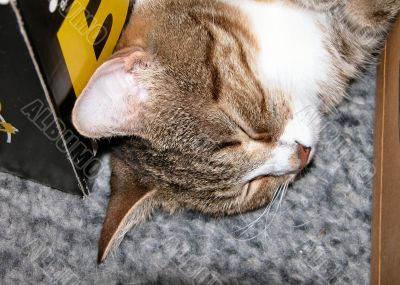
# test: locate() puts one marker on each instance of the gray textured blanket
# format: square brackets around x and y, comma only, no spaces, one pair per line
[319,234]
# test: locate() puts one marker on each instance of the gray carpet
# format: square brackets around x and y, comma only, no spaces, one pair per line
[319,235]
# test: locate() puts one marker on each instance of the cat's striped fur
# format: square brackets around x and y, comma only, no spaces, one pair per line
[218,101]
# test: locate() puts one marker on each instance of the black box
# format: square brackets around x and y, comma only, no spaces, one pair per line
[48,51]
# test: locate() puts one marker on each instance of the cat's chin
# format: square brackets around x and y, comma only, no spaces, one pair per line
[280,179]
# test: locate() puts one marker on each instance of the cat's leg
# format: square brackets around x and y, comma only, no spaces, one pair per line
[318,5]
[373,15]
[357,30]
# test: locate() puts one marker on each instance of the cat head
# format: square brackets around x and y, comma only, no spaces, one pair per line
[200,128]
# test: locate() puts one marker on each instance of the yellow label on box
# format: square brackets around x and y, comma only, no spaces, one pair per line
[88,40]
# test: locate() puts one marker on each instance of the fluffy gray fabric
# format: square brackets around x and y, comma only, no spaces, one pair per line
[319,235]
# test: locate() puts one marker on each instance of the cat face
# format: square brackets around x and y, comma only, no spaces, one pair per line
[198,116]
[199,125]
[222,142]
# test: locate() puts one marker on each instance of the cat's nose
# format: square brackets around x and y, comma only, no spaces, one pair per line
[304,154]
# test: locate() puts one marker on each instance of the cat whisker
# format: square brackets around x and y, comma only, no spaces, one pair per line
[301,225]
[279,193]
[283,193]
[259,234]
[266,211]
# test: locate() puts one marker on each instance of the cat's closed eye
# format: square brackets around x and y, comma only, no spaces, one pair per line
[228,144]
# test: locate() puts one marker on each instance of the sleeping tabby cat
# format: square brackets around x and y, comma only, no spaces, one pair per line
[217,103]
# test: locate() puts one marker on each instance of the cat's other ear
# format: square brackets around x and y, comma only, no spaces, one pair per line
[130,204]
[113,102]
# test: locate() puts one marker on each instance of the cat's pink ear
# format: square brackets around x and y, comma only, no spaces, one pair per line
[113,102]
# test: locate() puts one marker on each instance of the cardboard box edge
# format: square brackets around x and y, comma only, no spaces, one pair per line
[379,130]
[20,22]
